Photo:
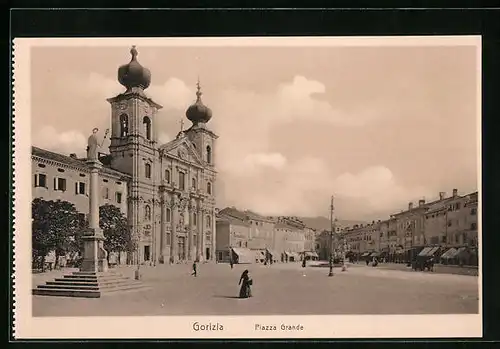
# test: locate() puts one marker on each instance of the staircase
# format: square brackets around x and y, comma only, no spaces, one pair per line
[89,285]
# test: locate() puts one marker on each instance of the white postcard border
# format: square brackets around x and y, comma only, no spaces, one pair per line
[335,326]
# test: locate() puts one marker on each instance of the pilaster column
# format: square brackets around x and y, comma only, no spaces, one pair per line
[212,253]
[199,229]
[163,227]
[174,223]
[201,239]
[191,210]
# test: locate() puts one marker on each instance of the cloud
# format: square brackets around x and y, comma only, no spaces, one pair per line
[163,138]
[173,94]
[66,142]
[304,188]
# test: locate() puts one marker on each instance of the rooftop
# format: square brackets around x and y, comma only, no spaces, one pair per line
[73,161]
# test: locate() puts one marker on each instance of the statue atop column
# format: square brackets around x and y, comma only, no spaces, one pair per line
[93,144]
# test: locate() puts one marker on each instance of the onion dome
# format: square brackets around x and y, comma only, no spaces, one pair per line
[198,112]
[133,74]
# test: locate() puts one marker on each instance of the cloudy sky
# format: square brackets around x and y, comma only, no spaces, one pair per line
[375,126]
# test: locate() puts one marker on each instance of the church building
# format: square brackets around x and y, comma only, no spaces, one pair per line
[167,191]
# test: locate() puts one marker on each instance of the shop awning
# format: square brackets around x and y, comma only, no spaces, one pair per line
[260,255]
[245,255]
[433,251]
[425,251]
[375,254]
[365,254]
[400,251]
[311,254]
[449,253]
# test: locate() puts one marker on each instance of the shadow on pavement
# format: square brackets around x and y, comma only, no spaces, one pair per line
[229,297]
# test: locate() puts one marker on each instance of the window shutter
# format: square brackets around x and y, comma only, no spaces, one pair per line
[36,180]
[55,183]
[76,188]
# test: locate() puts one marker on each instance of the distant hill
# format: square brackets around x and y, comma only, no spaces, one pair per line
[323,223]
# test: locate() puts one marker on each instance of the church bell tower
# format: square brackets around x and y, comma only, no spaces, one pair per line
[134,150]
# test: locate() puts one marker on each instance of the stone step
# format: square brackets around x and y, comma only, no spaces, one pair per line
[100,279]
[66,293]
[125,288]
[93,278]
[69,287]
[89,283]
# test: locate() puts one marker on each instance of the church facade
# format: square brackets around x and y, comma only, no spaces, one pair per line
[169,189]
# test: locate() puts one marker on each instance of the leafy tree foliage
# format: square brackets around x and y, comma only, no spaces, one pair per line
[115,228]
[54,226]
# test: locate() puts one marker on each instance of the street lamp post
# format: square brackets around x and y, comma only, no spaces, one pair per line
[332,225]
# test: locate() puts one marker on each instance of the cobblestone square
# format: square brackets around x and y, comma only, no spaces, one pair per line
[285,289]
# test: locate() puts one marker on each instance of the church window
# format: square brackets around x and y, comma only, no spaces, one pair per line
[147,213]
[105,193]
[147,127]
[209,155]
[118,197]
[209,188]
[169,214]
[123,125]
[147,169]
[167,176]
[193,183]
[168,239]
[41,180]
[194,218]
[209,222]
[182,180]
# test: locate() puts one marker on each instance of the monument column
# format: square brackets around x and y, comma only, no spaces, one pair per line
[94,255]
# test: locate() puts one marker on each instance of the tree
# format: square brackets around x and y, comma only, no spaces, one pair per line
[54,226]
[116,229]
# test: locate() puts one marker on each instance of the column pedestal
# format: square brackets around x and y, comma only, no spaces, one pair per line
[95,257]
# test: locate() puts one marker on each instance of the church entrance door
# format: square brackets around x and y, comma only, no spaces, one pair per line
[181,245]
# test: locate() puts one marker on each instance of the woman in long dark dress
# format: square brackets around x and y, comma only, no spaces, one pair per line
[245,282]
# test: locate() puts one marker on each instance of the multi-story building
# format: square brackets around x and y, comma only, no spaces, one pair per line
[166,190]
[233,233]
[452,221]
[443,223]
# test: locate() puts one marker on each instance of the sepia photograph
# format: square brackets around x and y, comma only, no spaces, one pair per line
[248,187]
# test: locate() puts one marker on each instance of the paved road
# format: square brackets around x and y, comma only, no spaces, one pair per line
[284,289]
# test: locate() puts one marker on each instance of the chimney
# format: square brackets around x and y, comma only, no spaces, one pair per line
[455,193]
[442,194]
[72,155]
[421,202]
[410,206]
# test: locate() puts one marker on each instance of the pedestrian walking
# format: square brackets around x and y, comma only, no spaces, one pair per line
[194,269]
[304,263]
[246,283]
[231,263]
